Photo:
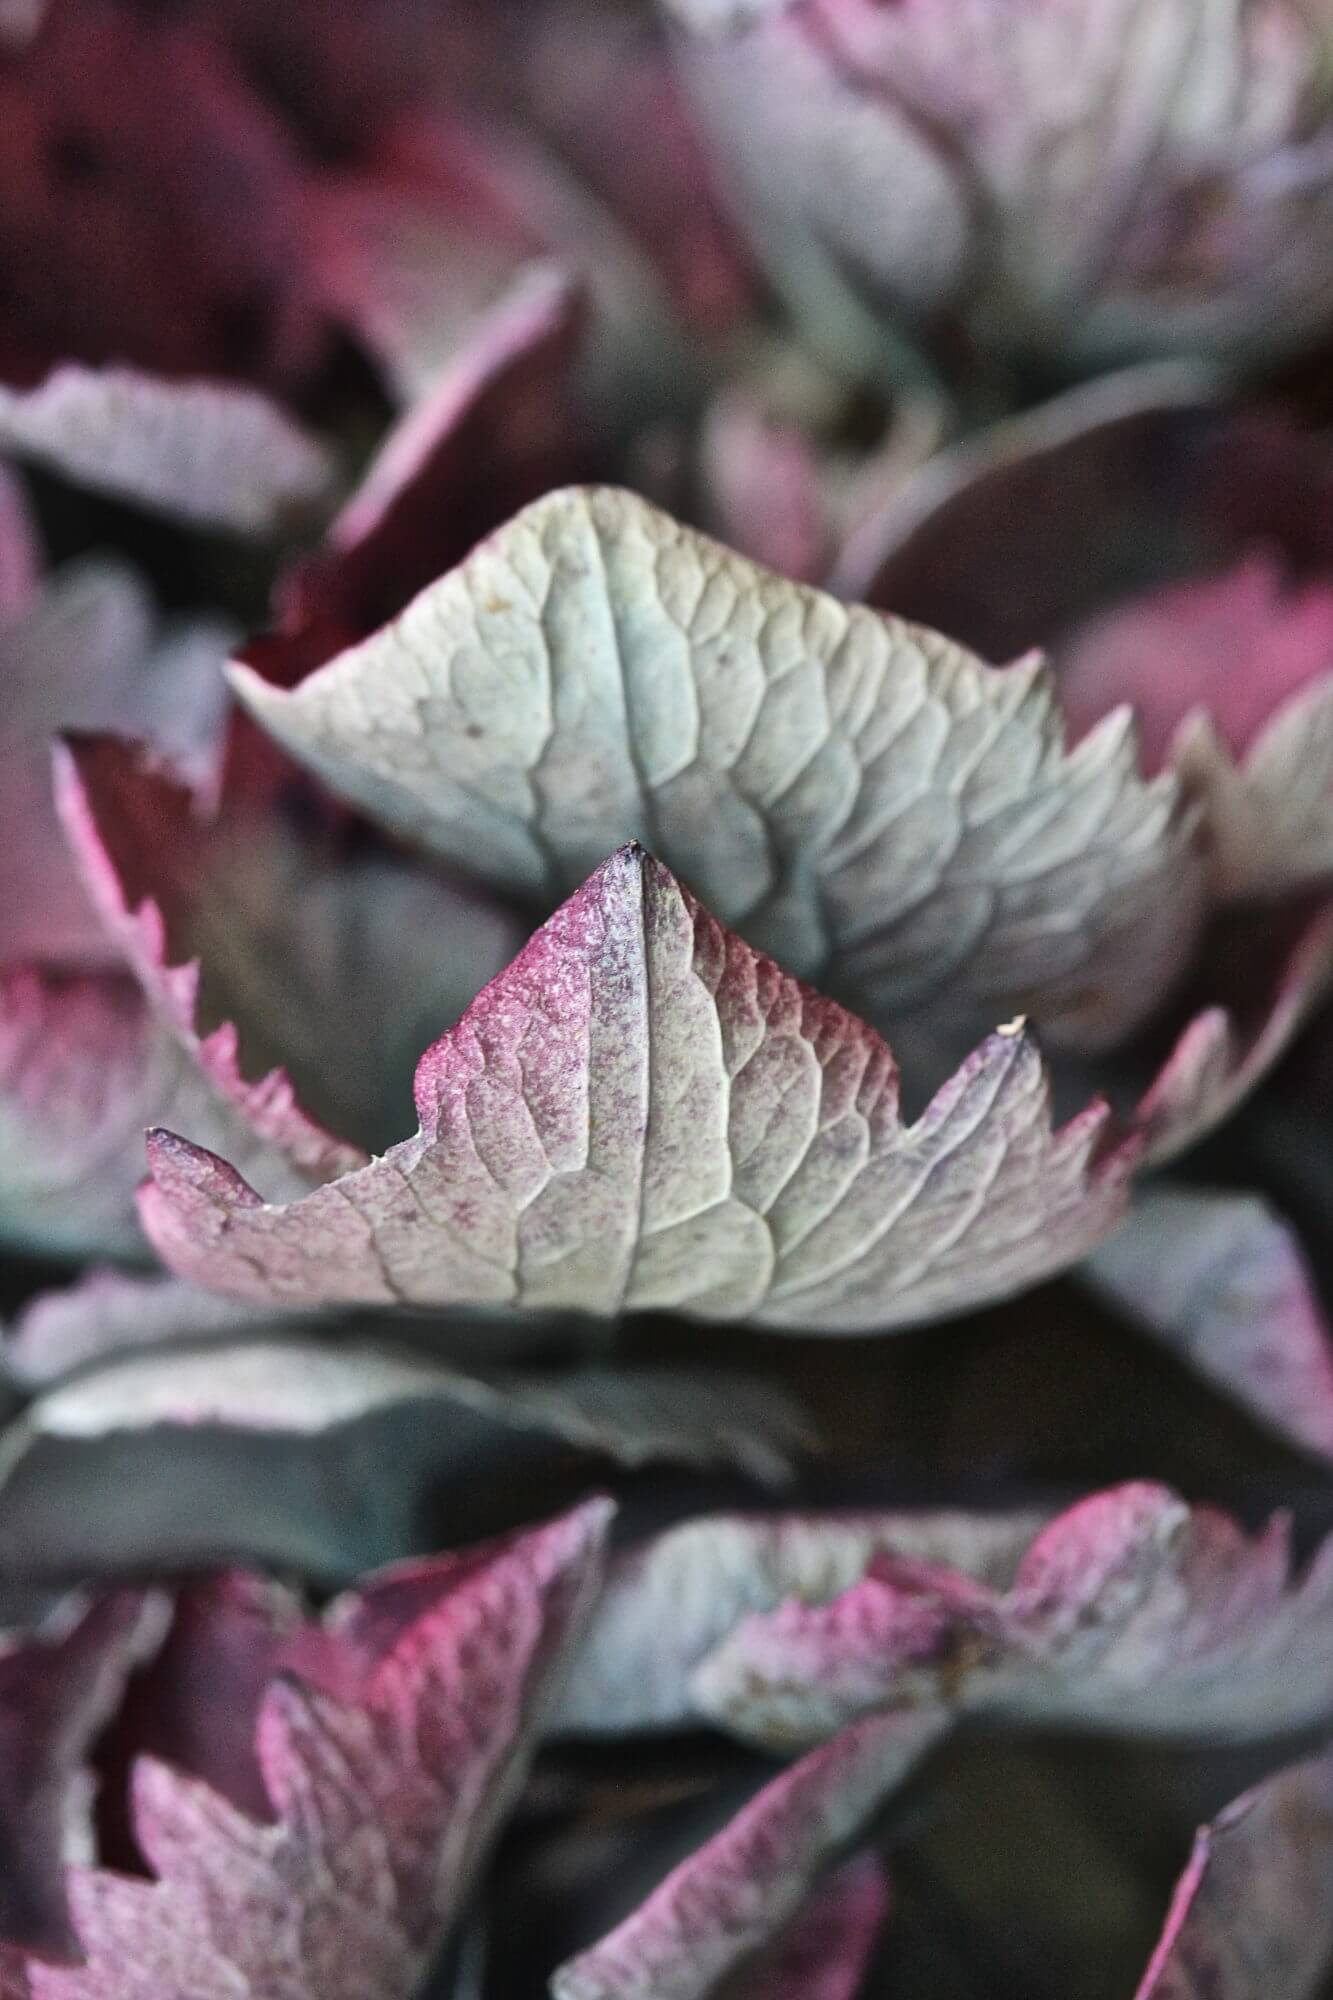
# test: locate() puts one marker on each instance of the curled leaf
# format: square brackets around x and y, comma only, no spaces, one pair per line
[1253,1912]
[1131,1611]
[85,650]
[385,1792]
[667,1606]
[1079,184]
[59,1686]
[83,1070]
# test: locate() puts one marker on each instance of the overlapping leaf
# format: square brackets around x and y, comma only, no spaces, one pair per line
[872,804]
[1131,1611]
[643,1112]
[1039,178]
[729,1899]
[387,1780]
[59,1685]
[227,917]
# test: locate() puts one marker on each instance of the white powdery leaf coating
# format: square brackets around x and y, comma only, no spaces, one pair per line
[214,454]
[642,1113]
[1130,1612]
[860,795]
[1100,179]
[385,1800]
[1270,813]
[668,1605]
[1253,1912]
[731,1897]
[1221,1281]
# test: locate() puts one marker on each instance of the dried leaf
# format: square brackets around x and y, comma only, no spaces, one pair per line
[667,1606]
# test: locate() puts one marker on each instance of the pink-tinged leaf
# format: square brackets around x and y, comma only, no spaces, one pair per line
[503,402]
[827,1947]
[1220,1280]
[598,84]
[83,1071]
[1253,1912]
[213,454]
[20,562]
[124,821]
[774,1180]
[1237,646]
[731,1897]
[667,1606]
[59,1686]
[194,1705]
[433,231]
[1225,1052]
[229,918]
[778,485]
[875,804]
[384,1796]
[1245,712]
[1130,1612]
[108,1312]
[411,272]
[150,208]
[1171,554]
[85,652]
[1085,184]
[991,540]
